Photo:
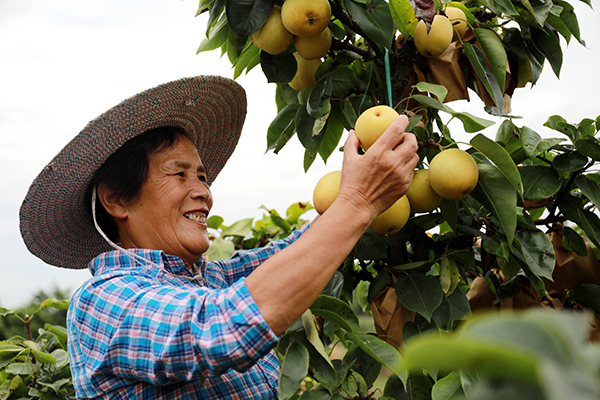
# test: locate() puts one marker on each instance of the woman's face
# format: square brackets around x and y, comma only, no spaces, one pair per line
[173,204]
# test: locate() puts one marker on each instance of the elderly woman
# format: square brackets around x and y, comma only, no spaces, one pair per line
[128,198]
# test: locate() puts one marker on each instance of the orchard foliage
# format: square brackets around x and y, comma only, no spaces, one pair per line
[36,366]
[536,200]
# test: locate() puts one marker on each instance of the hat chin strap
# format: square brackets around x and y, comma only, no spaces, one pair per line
[134,256]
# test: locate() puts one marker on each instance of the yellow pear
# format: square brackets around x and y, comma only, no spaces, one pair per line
[458,19]
[393,219]
[305,74]
[326,190]
[305,17]
[310,47]
[421,195]
[438,39]
[453,174]
[272,37]
[371,124]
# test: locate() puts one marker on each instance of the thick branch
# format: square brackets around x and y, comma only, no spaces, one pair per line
[367,53]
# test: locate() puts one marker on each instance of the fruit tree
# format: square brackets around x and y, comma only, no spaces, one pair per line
[500,222]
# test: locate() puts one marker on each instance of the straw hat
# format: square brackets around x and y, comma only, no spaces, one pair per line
[55,223]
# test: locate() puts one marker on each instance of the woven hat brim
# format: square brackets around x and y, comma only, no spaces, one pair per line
[55,223]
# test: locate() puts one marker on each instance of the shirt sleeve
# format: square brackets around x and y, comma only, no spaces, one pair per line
[223,273]
[129,327]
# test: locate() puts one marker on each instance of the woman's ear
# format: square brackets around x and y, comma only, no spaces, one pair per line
[111,201]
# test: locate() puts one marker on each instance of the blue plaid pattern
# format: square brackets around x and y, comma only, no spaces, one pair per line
[138,333]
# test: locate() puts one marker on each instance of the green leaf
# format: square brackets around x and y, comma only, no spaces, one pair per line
[547,42]
[534,144]
[55,303]
[431,102]
[558,24]
[589,147]
[316,395]
[572,241]
[234,46]
[538,252]
[337,311]
[411,265]
[334,129]
[216,11]
[381,351]
[60,333]
[487,357]
[447,388]
[375,20]
[586,220]
[438,90]
[344,81]
[500,157]
[216,37]
[371,246]
[489,81]
[247,16]
[294,369]
[420,293]
[21,368]
[588,295]
[539,10]
[279,68]
[296,210]
[240,228]
[559,124]
[43,357]
[404,17]
[280,222]
[514,40]
[472,123]
[590,189]
[503,6]
[569,18]
[249,59]
[283,123]
[454,307]
[495,53]
[5,312]
[56,386]
[364,364]
[539,182]
[569,162]
[214,221]
[318,103]
[312,334]
[305,125]
[498,195]
[220,249]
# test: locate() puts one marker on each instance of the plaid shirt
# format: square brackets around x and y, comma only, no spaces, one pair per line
[138,333]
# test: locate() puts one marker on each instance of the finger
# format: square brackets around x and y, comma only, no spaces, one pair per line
[394,134]
[351,146]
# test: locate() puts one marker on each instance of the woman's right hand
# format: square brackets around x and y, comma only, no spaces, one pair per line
[372,182]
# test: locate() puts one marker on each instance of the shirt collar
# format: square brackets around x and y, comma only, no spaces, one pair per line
[118,259]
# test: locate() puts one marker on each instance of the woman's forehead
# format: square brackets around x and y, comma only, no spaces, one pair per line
[183,154]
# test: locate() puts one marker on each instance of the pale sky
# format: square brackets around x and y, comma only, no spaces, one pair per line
[64,62]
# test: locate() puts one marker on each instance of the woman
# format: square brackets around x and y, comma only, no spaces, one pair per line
[129,196]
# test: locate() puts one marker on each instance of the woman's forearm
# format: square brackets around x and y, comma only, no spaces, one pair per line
[290,281]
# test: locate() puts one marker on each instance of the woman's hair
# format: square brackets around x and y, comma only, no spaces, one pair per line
[126,170]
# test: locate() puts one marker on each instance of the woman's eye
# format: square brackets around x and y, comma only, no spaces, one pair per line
[180,174]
